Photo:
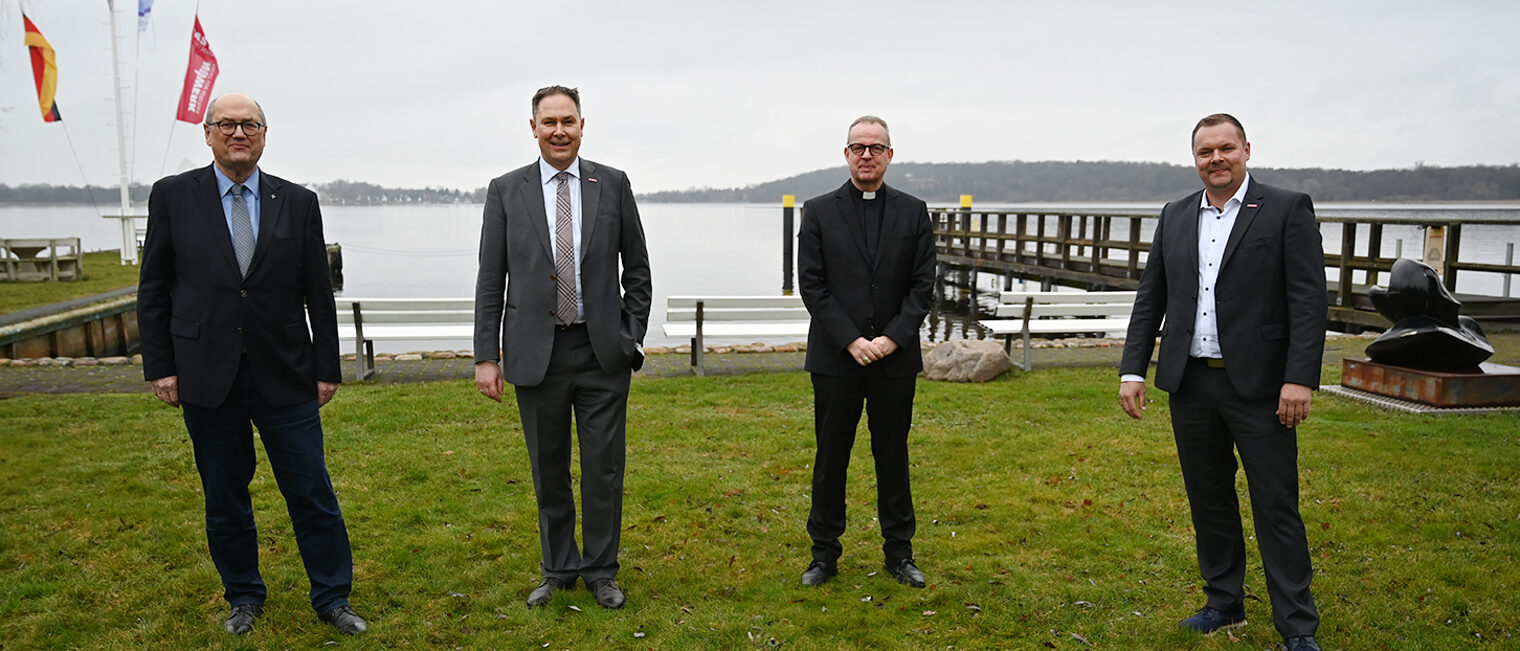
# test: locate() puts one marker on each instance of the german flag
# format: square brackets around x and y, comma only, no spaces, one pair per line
[44,69]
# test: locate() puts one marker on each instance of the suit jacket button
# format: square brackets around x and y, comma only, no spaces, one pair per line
[244,293]
[551,312]
[240,332]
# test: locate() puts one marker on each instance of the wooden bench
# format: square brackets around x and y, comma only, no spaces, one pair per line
[1052,313]
[59,258]
[365,320]
[699,317]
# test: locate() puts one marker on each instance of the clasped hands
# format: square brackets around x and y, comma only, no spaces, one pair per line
[866,351]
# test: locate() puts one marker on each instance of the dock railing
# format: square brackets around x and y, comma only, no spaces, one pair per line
[1096,250]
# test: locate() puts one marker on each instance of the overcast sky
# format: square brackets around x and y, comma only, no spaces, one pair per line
[718,94]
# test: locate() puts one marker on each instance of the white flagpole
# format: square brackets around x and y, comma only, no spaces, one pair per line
[128,228]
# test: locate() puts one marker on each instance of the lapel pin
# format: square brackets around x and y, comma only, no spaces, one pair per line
[1252,205]
[591,180]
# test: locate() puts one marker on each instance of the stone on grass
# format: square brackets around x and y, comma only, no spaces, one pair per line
[115,361]
[409,357]
[965,360]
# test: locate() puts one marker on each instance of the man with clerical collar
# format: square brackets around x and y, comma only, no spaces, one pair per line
[865,262]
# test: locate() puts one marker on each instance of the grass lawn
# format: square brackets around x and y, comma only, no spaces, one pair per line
[103,272]
[1047,519]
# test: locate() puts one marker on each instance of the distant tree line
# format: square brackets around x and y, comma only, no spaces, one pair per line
[1083,181]
[335,192]
[990,182]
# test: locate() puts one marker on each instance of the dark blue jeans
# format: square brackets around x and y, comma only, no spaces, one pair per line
[224,455]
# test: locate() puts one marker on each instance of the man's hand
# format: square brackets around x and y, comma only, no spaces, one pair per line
[863,351]
[325,392]
[488,380]
[167,390]
[1293,404]
[1132,398]
[884,346]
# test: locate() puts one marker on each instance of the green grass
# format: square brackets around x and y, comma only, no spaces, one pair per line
[1044,514]
[103,272]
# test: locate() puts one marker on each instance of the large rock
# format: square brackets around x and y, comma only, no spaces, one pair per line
[965,360]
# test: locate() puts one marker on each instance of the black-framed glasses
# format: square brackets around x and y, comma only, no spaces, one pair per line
[250,128]
[859,149]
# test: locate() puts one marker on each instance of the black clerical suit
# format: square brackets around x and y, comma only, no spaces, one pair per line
[865,269]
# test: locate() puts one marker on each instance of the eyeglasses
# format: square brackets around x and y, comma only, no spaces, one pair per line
[250,128]
[859,149]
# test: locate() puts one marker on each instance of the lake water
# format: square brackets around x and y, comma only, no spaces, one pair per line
[695,249]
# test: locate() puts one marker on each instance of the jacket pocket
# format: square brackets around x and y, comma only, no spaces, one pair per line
[296,332]
[1274,331]
[184,328]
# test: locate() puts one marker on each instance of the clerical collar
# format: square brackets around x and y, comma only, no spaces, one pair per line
[863,194]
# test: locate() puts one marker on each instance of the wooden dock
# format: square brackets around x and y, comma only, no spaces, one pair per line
[1107,250]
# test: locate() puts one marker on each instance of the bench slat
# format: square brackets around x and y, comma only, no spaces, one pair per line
[737,314]
[1067,297]
[688,329]
[404,304]
[1016,310]
[724,302]
[407,316]
[459,331]
[1056,326]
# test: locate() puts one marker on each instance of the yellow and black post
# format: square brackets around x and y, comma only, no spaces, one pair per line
[788,203]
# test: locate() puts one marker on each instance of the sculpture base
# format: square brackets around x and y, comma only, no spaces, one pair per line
[1496,385]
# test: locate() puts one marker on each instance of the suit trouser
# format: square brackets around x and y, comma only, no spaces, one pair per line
[1210,421]
[576,383]
[224,455]
[836,415]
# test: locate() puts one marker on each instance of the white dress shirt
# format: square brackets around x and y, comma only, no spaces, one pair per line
[1214,226]
[551,202]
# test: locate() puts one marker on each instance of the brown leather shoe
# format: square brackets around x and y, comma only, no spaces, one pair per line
[608,594]
[545,591]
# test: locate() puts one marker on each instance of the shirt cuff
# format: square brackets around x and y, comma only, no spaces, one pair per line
[1130,377]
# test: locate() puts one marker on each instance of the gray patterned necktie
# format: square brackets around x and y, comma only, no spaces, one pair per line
[242,230]
[564,251]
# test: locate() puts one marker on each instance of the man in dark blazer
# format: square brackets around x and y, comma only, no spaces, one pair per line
[568,329]
[234,265]
[1235,286]
[865,263]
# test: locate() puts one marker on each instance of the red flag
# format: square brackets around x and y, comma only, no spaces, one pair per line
[200,75]
[44,69]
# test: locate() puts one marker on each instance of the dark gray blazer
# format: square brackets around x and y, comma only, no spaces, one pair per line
[515,243]
[1270,295]
[848,295]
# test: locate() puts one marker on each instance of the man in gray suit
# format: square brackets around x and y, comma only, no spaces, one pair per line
[1237,270]
[569,330]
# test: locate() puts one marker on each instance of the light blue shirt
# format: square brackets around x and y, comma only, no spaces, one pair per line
[250,196]
[551,202]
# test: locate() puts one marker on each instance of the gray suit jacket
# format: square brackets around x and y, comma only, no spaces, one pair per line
[515,288]
[1270,295]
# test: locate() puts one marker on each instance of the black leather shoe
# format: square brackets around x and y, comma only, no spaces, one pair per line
[240,620]
[607,593]
[905,571]
[345,620]
[1301,643]
[545,591]
[819,573]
